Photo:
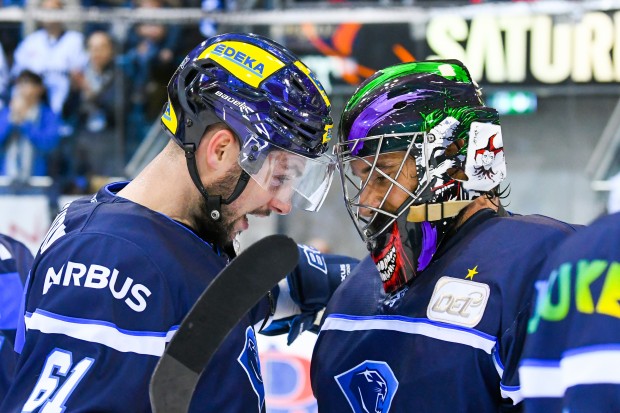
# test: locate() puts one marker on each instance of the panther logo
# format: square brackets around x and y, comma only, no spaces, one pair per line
[370,390]
[369,387]
[251,364]
[253,359]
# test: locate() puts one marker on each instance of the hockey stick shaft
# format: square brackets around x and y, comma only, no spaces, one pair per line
[231,294]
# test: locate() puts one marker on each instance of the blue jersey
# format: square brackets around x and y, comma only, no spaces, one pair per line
[571,361]
[109,287]
[15,262]
[449,341]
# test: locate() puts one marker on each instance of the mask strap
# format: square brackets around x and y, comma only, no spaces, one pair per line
[436,212]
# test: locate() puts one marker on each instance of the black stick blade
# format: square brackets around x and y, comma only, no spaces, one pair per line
[231,294]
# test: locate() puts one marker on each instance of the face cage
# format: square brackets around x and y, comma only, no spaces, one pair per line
[353,191]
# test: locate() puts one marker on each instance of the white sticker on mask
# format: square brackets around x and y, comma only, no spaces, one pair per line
[486,165]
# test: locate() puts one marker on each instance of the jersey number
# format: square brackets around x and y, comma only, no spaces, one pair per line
[57,364]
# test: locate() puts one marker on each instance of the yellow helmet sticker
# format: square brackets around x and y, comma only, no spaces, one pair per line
[314,80]
[249,63]
[169,118]
[327,136]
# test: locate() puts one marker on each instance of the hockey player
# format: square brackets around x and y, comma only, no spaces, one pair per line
[117,273]
[15,262]
[434,318]
[571,360]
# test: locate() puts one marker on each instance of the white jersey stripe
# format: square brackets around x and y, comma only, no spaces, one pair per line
[592,365]
[511,392]
[497,362]
[95,331]
[420,326]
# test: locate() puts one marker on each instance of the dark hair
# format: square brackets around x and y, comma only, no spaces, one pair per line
[30,76]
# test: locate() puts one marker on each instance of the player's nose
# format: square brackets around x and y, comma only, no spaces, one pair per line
[368,198]
[281,206]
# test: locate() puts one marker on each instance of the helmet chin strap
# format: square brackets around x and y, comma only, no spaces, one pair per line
[214,202]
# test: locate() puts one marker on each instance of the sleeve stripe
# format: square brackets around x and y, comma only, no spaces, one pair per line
[544,378]
[507,392]
[101,332]
[499,366]
[511,392]
[420,326]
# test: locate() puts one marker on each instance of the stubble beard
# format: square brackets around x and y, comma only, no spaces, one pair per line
[219,232]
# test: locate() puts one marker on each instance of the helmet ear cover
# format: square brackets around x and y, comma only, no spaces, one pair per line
[196,116]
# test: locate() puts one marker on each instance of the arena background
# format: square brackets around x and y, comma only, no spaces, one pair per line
[551,67]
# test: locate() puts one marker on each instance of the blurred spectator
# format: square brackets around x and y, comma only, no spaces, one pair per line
[28,129]
[96,83]
[10,36]
[4,78]
[54,53]
[91,27]
[208,27]
[95,136]
[150,61]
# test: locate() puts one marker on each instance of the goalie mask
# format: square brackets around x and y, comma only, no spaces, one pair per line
[271,101]
[416,145]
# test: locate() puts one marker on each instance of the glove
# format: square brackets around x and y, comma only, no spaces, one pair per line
[302,296]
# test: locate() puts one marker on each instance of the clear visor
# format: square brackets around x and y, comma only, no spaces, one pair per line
[288,176]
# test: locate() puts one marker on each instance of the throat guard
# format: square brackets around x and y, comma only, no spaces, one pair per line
[405,249]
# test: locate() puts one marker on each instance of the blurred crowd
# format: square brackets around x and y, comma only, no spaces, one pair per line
[76,103]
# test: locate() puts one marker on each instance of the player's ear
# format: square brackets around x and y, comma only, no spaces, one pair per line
[220,149]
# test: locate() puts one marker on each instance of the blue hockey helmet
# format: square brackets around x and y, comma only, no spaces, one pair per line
[268,98]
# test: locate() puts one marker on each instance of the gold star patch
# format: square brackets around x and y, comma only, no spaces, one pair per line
[471,273]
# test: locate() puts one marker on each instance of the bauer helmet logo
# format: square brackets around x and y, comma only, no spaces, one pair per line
[241,105]
[247,62]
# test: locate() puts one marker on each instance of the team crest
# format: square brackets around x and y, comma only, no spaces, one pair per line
[250,362]
[369,387]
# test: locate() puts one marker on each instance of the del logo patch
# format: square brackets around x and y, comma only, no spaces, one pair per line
[369,387]
[457,301]
[250,362]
